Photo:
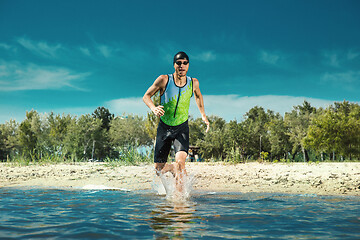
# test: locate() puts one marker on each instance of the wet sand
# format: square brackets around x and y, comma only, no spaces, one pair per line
[292,178]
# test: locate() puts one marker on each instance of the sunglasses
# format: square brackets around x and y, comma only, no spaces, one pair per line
[179,63]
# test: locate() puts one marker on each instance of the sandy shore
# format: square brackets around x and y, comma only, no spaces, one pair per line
[293,178]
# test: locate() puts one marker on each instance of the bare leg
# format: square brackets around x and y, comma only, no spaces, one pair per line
[180,170]
[164,168]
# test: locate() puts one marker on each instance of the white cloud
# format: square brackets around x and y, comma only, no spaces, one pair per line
[7,47]
[343,80]
[332,59]
[85,51]
[229,107]
[15,76]
[120,51]
[104,50]
[270,58]
[134,105]
[41,48]
[351,55]
[339,58]
[343,77]
[206,56]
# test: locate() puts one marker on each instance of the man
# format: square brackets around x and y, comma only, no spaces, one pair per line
[175,92]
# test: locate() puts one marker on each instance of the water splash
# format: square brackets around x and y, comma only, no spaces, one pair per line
[165,184]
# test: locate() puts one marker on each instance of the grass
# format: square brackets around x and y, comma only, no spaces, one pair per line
[130,157]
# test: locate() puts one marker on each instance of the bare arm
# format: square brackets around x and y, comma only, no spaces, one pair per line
[159,84]
[200,102]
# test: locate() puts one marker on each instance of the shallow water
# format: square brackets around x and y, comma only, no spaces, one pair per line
[116,214]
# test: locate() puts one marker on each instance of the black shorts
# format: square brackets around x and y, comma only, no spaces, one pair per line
[166,135]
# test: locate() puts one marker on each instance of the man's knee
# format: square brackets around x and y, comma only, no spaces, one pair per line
[181,155]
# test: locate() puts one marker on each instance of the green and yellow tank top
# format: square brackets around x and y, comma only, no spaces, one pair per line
[176,101]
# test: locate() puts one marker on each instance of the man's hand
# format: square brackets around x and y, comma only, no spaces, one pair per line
[206,121]
[158,111]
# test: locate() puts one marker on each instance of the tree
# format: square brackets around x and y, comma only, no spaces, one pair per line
[196,130]
[213,144]
[105,116]
[82,136]
[102,146]
[333,131]
[128,131]
[235,141]
[255,128]
[323,134]
[9,140]
[58,129]
[336,130]
[350,120]
[278,137]
[152,121]
[58,125]
[40,127]
[27,134]
[298,122]
[3,153]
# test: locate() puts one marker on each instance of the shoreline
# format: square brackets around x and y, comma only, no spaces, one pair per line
[338,178]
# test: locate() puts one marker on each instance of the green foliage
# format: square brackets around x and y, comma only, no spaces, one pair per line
[9,140]
[235,140]
[129,131]
[255,128]
[304,134]
[61,138]
[82,136]
[105,116]
[278,137]
[197,130]
[129,156]
[213,143]
[27,133]
[234,156]
[337,129]
[152,120]
[101,147]
[298,122]
[264,155]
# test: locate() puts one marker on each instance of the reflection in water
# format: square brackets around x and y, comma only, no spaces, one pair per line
[171,219]
[175,215]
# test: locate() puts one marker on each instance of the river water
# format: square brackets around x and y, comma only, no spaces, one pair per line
[32,213]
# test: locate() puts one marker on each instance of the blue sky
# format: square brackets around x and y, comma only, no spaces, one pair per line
[74,56]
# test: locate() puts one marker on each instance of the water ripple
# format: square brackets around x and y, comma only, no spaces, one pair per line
[105,214]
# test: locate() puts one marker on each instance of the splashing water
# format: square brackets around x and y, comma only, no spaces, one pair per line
[165,184]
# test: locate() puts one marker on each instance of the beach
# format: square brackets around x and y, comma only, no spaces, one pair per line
[291,178]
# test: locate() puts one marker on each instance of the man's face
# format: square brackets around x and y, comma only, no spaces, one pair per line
[181,67]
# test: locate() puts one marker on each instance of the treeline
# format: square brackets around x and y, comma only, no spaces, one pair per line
[99,135]
[306,133]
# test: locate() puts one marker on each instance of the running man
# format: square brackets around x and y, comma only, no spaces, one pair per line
[175,92]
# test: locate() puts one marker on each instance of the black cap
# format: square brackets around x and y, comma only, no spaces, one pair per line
[181,55]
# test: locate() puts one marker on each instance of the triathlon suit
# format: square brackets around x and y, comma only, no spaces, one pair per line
[173,126]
